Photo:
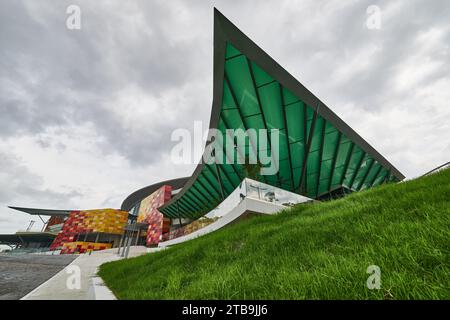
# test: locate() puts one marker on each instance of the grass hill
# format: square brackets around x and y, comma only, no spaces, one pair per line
[316,251]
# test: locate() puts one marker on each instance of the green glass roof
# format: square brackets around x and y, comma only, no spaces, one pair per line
[318,152]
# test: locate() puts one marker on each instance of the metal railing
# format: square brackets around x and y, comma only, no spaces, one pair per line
[441,167]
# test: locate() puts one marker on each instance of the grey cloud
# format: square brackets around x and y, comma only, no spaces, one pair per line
[19,183]
[54,77]
[20,187]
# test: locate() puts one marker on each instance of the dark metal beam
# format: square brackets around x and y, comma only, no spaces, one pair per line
[386,179]
[219,180]
[347,162]
[199,199]
[376,175]
[322,143]
[305,143]
[209,181]
[192,202]
[170,212]
[221,169]
[333,162]
[187,211]
[308,146]
[201,192]
[233,95]
[263,116]
[357,169]
[366,174]
[283,107]
[206,189]
[226,153]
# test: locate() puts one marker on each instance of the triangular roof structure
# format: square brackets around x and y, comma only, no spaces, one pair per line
[319,152]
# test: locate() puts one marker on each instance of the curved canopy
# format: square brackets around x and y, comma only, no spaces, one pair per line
[318,152]
[140,194]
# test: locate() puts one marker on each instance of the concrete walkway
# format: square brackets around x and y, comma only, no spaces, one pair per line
[79,280]
[21,273]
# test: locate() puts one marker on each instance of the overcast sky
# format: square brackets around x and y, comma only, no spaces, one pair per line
[86,115]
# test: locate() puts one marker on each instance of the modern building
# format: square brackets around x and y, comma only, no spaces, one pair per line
[318,156]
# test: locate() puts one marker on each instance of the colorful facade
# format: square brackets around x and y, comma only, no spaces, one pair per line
[149,213]
[107,221]
[53,221]
[189,228]
[83,247]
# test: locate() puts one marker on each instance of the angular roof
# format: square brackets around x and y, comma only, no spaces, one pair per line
[42,212]
[141,194]
[318,151]
[21,237]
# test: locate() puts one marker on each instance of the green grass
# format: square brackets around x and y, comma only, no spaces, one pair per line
[316,251]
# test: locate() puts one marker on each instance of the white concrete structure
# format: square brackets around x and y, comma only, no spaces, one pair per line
[250,197]
[247,205]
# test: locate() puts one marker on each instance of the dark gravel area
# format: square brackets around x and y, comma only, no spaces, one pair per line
[20,274]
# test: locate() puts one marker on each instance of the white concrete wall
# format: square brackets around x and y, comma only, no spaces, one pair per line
[246,205]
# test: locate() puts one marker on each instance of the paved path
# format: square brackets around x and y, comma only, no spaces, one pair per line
[79,281]
[19,274]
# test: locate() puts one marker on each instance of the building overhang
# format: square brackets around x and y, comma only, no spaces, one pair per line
[42,212]
[27,237]
[319,152]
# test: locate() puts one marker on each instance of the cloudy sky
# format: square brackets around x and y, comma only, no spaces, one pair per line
[86,115]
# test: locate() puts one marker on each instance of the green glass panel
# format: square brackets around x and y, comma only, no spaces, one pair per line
[282,142]
[255,122]
[261,77]
[313,162]
[296,174]
[289,97]
[198,195]
[381,176]
[317,135]
[285,172]
[352,166]
[228,101]
[371,176]
[242,85]
[298,154]
[270,97]
[187,197]
[295,121]
[323,187]
[325,169]
[208,196]
[360,176]
[311,185]
[231,51]
[329,147]
[322,154]
[208,185]
[344,150]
